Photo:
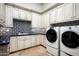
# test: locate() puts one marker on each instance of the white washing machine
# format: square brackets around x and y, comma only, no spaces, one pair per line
[52,40]
[69,41]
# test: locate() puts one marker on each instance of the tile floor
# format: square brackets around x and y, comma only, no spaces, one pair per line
[34,51]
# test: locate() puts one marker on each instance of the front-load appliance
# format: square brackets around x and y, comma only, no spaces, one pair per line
[52,35]
[69,41]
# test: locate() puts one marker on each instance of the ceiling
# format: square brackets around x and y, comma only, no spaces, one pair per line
[36,7]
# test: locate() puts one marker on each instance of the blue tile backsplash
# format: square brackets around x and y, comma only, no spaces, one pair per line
[21,27]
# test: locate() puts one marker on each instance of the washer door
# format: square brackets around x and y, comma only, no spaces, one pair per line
[70,39]
[51,35]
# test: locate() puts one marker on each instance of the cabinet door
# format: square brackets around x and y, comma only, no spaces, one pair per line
[27,42]
[38,39]
[36,20]
[13,44]
[60,14]
[29,15]
[23,15]
[53,16]
[33,40]
[16,13]
[44,40]
[76,11]
[20,43]
[45,20]
[8,16]
[2,13]
[68,11]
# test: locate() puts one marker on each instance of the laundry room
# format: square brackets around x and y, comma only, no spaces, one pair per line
[39,29]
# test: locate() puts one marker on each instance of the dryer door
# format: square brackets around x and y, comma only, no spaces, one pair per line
[51,35]
[70,39]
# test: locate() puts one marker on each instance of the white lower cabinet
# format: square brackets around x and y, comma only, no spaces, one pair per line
[44,40]
[27,42]
[38,39]
[33,40]
[21,42]
[13,44]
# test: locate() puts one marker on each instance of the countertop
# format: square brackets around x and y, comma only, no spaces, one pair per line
[29,34]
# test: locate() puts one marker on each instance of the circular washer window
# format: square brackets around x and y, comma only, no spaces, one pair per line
[70,39]
[51,35]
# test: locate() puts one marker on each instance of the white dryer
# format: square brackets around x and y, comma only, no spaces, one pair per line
[69,41]
[52,40]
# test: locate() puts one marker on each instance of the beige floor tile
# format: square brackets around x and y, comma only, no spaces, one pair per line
[34,51]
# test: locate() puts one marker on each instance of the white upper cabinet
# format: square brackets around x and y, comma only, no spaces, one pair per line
[8,16]
[25,15]
[2,10]
[2,13]
[20,43]
[53,16]
[21,14]
[76,11]
[60,14]
[36,20]
[45,20]
[68,11]
[28,15]
[16,13]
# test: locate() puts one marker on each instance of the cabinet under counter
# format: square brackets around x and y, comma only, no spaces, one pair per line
[22,42]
